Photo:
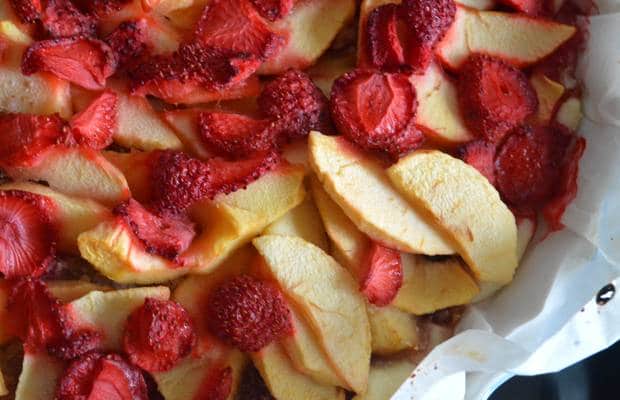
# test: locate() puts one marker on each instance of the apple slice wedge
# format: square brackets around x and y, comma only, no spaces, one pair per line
[517,38]
[329,68]
[285,382]
[68,291]
[73,215]
[429,286]
[466,206]
[136,168]
[323,292]
[385,378]
[392,330]
[311,26]
[185,124]
[569,113]
[549,92]
[360,186]
[39,377]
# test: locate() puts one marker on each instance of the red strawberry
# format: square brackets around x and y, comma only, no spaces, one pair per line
[384,47]
[531,7]
[376,110]
[494,97]
[101,377]
[165,236]
[383,275]
[85,62]
[296,103]
[129,42]
[24,137]
[28,11]
[94,126]
[217,385]
[158,334]
[74,343]
[103,8]
[236,26]
[62,19]
[480,155]
[235,135]
[248,313]
[273,9]
[27,234]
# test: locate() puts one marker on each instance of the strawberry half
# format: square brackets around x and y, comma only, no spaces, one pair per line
[28,11]
[273,9]
[61,18]
[129,42]
[83,61]
[480,155]
[376,111]
[165,236]
[218,384]
[384,47]
[383,275]
[24,137]
[95,125]
[494,97]
[27,234]
[235,135]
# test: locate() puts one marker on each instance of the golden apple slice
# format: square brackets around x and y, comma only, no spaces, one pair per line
[385,378]
[107,311]
[311,26]
[517,38]
[185,124]
[230,221]
[392,330]
[285,382]
[569,113]
[329,68]
[302,221]
[360,186]
[68,291]
[39,377]
[323,292]
[549,92]
[78,172]
[466,206]
[136,168]
[73,215]
[429,286]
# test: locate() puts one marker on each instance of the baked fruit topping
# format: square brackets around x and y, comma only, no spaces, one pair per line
[217,385]
[24,137]
[384,46]
[248,313]
[28,11]
[129,42]
[382,274]
[61,18]
[480,155]
[376,110]
[95,125]
[273,9]
[158,334]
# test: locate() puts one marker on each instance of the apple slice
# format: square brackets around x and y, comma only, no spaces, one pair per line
[185,124]
[392,330]
[329,68]
[107,312]
[302,221]
[230,221]
[466,206]
[311,27]
[76,171]
[136,168]
[323,292]
[549,92]
[569,113]
[68,291]
[517,38]
[39,376]
[429,286]
[360,186]
[438,113]
[285,382]
[385,378]
[73,215]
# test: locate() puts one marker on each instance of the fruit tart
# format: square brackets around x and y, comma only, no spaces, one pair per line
[269,199]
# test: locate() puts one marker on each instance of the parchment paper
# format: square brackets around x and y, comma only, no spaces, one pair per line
[536,324]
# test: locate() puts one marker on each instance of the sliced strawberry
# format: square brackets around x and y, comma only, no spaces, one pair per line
[62,19]
[296,103]
[129,42]
[376,110]
[384,47]
[165,236]
[101,377]
[24,137]
[566,190]
[236,26]
[383,275]
[85,62]
[75,343]
[480,155]
[235,135]
[217,385]
[28,11]
[27,234]
[531,7]
[273,9]
[94,126]
[103,8]
[248,313]
[158,334]
[494,97]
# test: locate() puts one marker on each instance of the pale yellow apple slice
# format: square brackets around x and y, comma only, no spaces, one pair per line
[569,113]
[360,186]
[310,27]
[429,286]
[392,330]
[285,382]
[107,312]
[136,168]
[385,378]
[519,39]
[39,377]
[185,124]
[324,293]
[73,215]
[79,172]
[329,68]
[466,206]
[302,221]
[230,221]
[549,92]
[68,291]
[114,251]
